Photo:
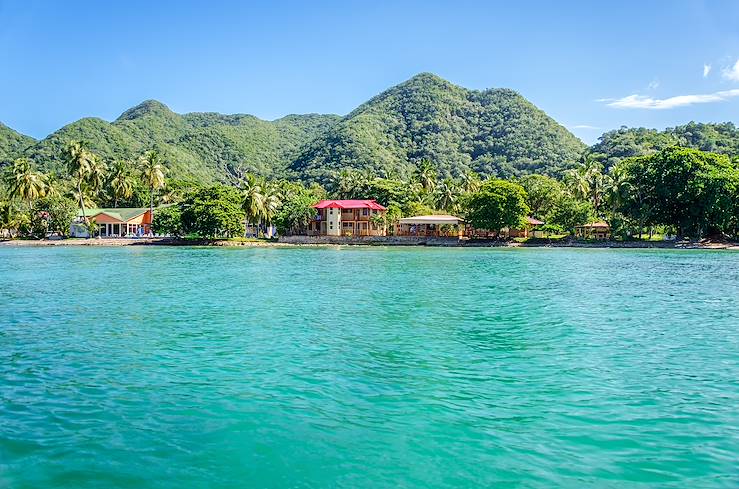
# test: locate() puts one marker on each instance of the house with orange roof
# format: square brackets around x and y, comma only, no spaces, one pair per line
[117,222]
[347,218]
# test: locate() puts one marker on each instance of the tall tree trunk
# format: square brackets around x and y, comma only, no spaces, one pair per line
[151,203]
[82,201]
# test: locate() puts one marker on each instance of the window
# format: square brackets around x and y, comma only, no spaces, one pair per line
[365,212]
[331,210]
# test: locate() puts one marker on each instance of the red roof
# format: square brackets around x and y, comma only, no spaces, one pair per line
[534,222]
[349,204]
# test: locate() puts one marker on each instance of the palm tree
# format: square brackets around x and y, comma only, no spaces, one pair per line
[25,182]
[347,183]
[152,170]
[81,165]
[96,177]
[272,201]
[577,182]
[121,182]
[447,195]
[587,182]
[253,204]
[617,187]
[427,175]
[471,182]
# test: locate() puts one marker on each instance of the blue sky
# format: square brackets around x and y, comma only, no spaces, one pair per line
[593,66]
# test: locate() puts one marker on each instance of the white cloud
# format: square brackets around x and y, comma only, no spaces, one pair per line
[706,70]
[585,126]
[654,84]
[646,102]
[731,72]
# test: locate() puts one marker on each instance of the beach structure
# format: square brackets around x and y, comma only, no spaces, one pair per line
[431,226]
[347,218]
[530,229]
[118,222]
[595,230]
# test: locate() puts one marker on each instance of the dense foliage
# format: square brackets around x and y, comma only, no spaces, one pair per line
[168,221]
[615,146]
[425,146]
[52,214]
[493,132]
[12,144]
[692,191]
[498,204]
[204,146]
[214,211]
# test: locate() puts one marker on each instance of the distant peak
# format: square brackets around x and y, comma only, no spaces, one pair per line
[427,78]
[147,107]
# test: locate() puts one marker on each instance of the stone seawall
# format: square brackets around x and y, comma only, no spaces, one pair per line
[371,240]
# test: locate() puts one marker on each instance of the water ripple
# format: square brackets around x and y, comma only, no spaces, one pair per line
[368,367]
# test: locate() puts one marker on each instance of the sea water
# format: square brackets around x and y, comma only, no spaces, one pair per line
[372,367]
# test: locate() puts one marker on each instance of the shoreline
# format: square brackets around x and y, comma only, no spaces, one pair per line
[448,243]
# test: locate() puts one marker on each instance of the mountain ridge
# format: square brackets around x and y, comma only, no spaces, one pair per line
[494,132]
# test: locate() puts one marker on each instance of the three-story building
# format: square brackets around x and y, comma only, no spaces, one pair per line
[347,218]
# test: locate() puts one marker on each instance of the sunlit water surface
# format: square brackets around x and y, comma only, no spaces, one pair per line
[368,367]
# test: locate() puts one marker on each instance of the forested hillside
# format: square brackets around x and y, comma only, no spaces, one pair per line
[12,143]
[616,145]
[198,145]
[494,132]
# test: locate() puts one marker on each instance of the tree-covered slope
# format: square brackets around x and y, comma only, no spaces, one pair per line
[494,132]
[202,146]
[618,144]
[12,143]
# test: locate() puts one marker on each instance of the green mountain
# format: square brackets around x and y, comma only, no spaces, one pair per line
[203,146]
[625,142]
[493,132]
[12,144]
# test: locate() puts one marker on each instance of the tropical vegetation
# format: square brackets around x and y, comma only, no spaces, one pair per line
[425,146]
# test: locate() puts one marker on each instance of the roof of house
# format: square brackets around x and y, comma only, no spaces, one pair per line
[598,224]
[534,222]
[122,214]
[349,204]
[433,219]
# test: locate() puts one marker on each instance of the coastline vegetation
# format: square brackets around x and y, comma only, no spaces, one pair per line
[675,191]
[424,146]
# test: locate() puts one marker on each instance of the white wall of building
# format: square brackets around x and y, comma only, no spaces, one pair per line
[333,222]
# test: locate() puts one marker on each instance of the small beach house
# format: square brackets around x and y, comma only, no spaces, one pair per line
[431,226]
[114,222]
[530,229]
[595,230]
[347,218]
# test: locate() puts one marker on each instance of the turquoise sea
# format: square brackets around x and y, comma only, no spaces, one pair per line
[140,367]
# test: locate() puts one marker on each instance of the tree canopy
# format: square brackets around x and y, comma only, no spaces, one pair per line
[497,205]
[694,191]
